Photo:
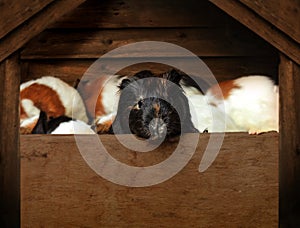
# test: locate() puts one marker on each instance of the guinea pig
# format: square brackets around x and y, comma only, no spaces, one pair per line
[60,125]
[153,107]
[252,102]
[51,95]
[100,96]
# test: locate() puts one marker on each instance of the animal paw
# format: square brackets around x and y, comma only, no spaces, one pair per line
[255,132]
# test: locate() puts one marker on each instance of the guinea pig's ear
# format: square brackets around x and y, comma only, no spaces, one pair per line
[125,82]
[173,76]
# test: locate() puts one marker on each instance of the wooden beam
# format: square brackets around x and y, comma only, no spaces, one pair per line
[289,81]
[9,141]
[33,26]
[261,27]
[284,14]
[94,43]
[240,188]
[14,13]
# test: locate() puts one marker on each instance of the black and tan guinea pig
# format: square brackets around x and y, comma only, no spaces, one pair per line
[153,107]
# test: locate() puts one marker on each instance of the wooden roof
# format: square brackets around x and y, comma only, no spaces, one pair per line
[22,20]
[276,21]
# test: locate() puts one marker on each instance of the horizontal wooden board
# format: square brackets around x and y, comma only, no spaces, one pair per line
[222,68]
[140,14]
[284,14]
[14,13]
[240,188]
[95,43]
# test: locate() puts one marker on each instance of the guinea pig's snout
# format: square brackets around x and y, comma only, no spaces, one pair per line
[157,128]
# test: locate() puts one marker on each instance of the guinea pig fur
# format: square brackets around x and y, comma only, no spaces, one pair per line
[153,107]
[252,102]
[60,125]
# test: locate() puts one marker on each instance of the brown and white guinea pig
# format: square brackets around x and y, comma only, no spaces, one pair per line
[52,96]
[60,125]
[153,107]
[252,102]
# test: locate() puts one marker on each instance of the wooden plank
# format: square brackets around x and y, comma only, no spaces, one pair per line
[289,80]
[284,14]
[240,188]
[14,13]
[95,43]
[223,68]
[261,27]
[142,14]
[33,26]
[9,141]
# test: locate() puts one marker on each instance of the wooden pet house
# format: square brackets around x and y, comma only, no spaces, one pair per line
[254,181]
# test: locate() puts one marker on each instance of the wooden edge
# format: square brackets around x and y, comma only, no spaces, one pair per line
[33,26]
[9,134]
[289,156]
[261,27]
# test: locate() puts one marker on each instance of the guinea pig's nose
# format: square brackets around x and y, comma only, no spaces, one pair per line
[157,128]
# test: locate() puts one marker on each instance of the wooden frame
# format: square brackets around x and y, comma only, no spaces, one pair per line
[30,24]
[289,162]
[9,133]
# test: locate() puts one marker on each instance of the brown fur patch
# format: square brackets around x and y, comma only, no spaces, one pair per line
[225,90]
[44,98]
[156,108]
[90,94]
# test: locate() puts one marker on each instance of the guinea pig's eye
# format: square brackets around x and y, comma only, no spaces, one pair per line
[139,105]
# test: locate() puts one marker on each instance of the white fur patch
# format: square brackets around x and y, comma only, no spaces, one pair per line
[73,127]
[110,94]
[208,117]
[29,108]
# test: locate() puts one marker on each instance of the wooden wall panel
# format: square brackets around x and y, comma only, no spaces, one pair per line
[240,189]
[222,68]
[9,142]
[142,14]
[95,43]
[284,14]
[21,11]
[289,79]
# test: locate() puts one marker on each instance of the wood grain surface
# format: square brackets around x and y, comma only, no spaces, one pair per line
[240,189]
[289,79]
[9,142]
